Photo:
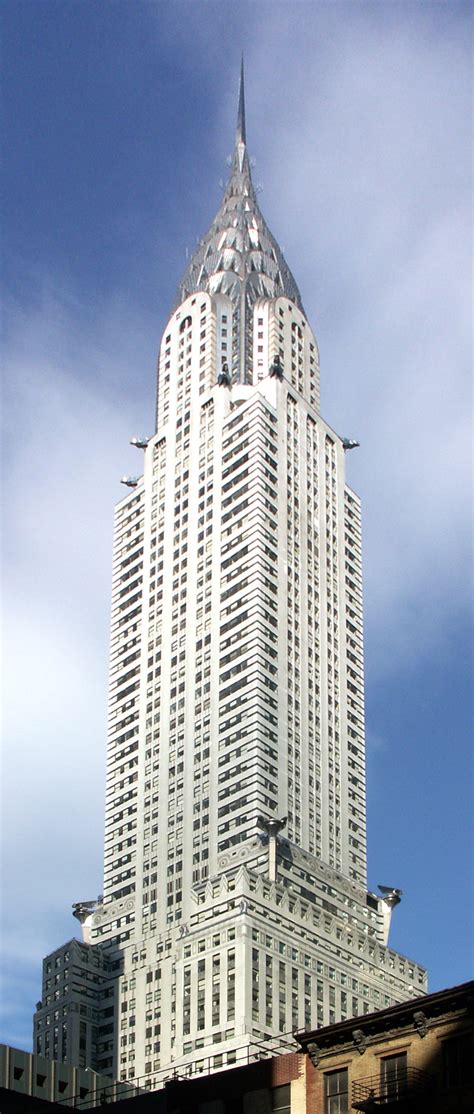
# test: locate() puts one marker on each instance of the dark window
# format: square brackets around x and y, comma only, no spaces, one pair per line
[17,1073]
[394,1075]
[336,1092]
[281,1099]
[457,1058]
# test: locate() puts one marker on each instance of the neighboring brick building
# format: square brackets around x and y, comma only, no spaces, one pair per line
[415,1058]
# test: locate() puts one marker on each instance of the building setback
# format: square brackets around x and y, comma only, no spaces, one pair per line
[235,904]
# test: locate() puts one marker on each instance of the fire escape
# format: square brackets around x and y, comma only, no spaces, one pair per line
[406,1092]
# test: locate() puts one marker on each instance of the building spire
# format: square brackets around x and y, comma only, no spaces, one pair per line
[240,133]
[238,256]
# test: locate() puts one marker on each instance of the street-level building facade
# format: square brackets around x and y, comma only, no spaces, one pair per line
[51,1083]
[414,1058]
[235,903]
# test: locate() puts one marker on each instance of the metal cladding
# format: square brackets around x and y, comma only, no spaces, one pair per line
[238,256]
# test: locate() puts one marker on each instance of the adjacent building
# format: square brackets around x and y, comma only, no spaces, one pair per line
[235,905]
[414,1058]
[75,1017]
[32,1082]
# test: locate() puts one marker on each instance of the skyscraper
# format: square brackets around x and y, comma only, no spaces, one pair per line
[235,902]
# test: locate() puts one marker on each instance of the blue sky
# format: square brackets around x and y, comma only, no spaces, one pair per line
[118,119]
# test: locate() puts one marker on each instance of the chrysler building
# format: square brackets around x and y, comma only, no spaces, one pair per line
[235,906]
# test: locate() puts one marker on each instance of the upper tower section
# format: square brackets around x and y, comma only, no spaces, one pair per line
[238,256]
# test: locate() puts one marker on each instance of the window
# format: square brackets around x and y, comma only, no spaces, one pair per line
[393,1075]
[336,1092]
[281,1099]
[456,1062]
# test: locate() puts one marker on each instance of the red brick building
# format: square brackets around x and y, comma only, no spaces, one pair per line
[415,1058]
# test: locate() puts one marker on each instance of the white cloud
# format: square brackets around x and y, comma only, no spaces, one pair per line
[66,442]
[367,171]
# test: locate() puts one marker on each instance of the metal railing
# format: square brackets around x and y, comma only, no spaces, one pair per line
[373,1091]
[201,1065]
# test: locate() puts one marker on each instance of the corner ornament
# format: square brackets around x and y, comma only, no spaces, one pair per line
[360,1041]
[420,1022]
[314,1052]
